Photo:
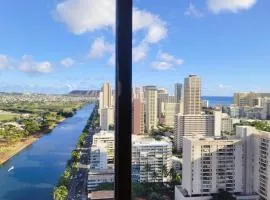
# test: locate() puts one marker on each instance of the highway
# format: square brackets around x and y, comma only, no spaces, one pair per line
[78,183]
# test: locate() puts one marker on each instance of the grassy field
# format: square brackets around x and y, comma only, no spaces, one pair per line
[7,116]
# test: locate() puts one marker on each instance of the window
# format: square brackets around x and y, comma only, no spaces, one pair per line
[120,99]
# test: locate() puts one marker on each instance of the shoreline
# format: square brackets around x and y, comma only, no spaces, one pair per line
[24,143]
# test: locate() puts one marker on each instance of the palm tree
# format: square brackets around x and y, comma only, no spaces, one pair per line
[147,168]
[164,171]
[154,175]
[172,174]
[60,193]
[175,177]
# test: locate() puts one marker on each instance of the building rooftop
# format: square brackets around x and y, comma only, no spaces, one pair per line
[104,133]
[203,139]
[148,141]
[102,195]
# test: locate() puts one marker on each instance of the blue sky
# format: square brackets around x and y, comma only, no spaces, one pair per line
[55,46]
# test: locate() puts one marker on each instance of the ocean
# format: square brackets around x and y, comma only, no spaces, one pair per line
[214,101]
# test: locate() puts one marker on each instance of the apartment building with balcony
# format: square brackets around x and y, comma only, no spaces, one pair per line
[149,157]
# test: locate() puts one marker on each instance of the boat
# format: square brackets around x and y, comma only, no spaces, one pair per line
[11,168]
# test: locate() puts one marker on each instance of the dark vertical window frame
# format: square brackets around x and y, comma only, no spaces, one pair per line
[123,109]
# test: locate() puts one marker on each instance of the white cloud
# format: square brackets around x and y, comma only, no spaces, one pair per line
[156,28]
[86,15]
[218,6]
[82,16]
[4,62]
[100,47]
[28,65]
[166,61]
[161,65]
[169,58]
[67,62]
[90,15]
[139,52]
[193,11]
[156,33]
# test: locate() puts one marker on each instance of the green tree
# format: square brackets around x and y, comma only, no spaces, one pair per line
[155,196]
[31,126]
[154,175]
[65,178]
[75,156]
[60,193]
[147,168]
[164,171]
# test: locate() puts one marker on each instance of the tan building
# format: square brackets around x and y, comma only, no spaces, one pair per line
[105,96]
[249,98]
[192,95]
[194,125]
[162,96]
[150,107]
[137,116]
[169,110]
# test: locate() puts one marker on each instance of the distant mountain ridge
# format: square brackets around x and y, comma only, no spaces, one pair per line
[90,93]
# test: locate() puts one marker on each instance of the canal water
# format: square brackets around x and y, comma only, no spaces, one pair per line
[37,168]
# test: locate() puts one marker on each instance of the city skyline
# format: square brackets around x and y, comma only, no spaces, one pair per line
[46,48]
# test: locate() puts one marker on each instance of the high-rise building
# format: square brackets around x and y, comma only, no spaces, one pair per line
[105,96]
[162,96]
[192,95]
[195,125]
[178,92]
[113,99]
[149,156]
[249,98]
[210,164]
[169,110]
[137,116]
[237,164]
[150,107]
[257,157]
[137,93]
[106,118]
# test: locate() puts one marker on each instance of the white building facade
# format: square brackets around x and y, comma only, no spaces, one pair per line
[105,140]
[98,158]
[149,157]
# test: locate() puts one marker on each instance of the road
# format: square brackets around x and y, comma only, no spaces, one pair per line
[78,183]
